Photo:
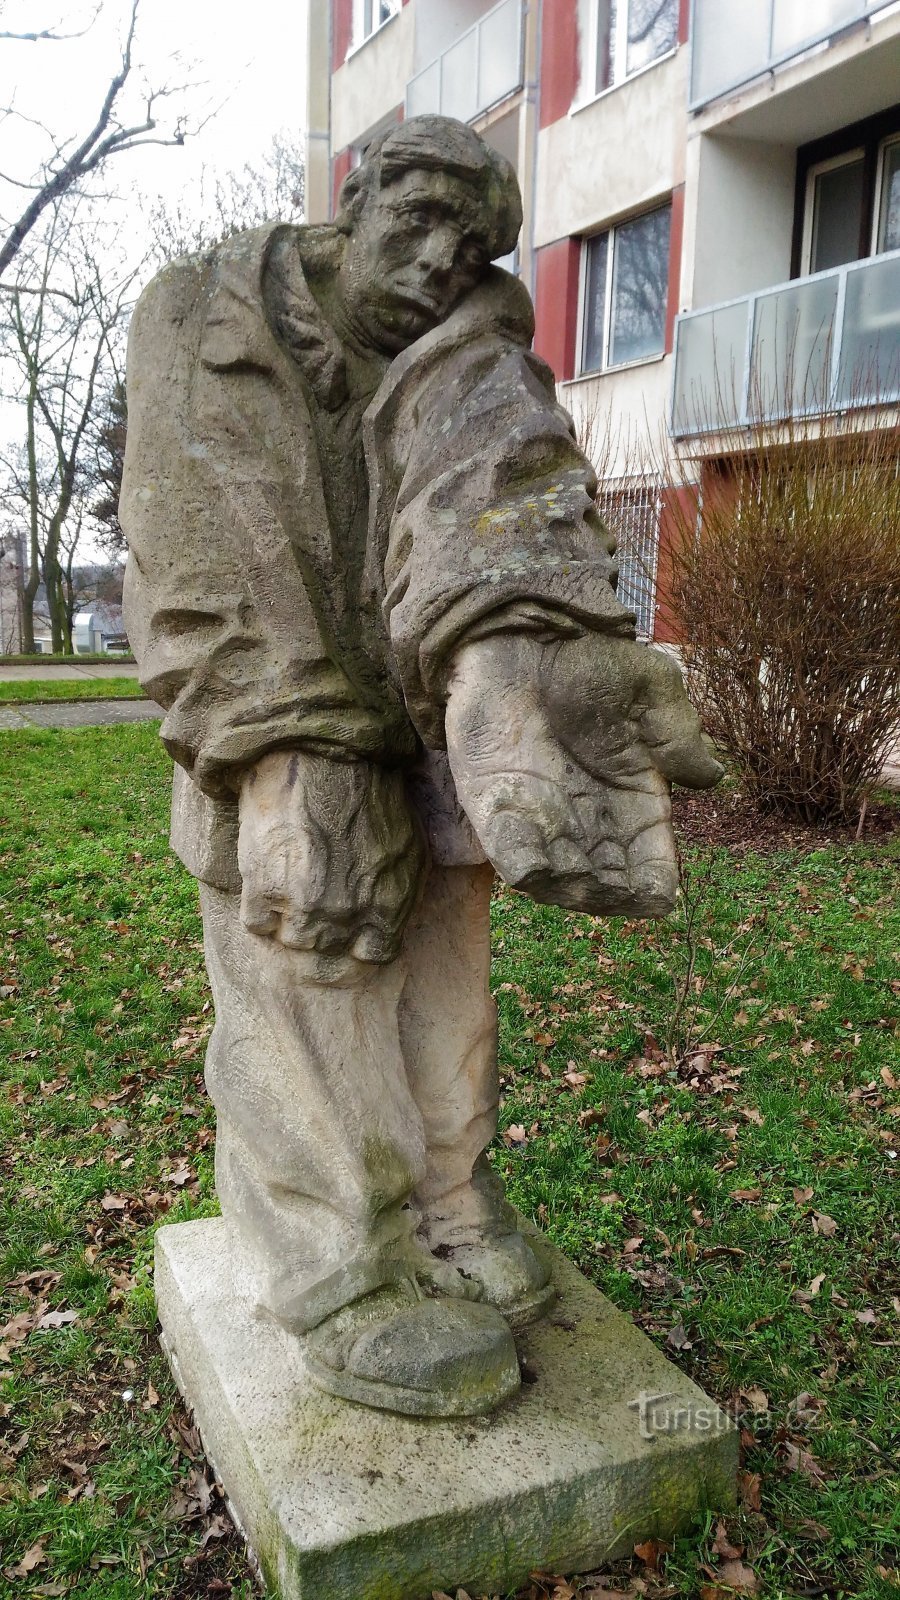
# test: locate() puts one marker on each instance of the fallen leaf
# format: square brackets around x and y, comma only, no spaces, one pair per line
[515,1134]
[750,1490]
[798,1460]
[723,1547]
[824,1225]
[678,1338]
[888,1077]
[801,1196]
[35,1557]
[650,1551]
[735,1575]
[806,1295]
[114,1202]
[57,1319]
[746,1196]
[867,1317]
[757,1398]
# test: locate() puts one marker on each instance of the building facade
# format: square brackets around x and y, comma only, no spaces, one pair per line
[712,206]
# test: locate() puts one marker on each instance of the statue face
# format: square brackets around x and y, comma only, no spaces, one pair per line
[418,246]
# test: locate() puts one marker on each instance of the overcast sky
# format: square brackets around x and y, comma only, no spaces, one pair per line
[248,59]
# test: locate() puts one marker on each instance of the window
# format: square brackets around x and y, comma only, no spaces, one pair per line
[632,516]
[626,278]
[371,14]
[630,35]
[849,193]
[834,203]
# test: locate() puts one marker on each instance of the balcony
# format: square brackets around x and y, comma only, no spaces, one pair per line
[482,66]
[736,42]
[826,343]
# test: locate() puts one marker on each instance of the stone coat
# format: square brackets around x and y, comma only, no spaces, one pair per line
[251,624]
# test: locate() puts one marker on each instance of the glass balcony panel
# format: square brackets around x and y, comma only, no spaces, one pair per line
[709,369]
[795,22]
[459,86]
[500,53]
[730,44]
[870,352]
[793,338]
[423,92]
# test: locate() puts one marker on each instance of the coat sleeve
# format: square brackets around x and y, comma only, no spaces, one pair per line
[495,516]
[217,610]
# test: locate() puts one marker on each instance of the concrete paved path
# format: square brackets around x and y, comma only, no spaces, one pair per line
[77,714]
[73,671]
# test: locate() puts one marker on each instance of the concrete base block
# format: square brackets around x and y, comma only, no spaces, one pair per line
[340,1501]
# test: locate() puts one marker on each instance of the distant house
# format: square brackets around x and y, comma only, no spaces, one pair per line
[99,631]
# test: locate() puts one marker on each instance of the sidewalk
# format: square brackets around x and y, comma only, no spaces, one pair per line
[77,714]
[71,672]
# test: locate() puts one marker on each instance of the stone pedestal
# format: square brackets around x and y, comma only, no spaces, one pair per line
[605,1445]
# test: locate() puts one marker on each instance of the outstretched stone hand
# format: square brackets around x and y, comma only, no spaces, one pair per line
[563,751]
[329,853]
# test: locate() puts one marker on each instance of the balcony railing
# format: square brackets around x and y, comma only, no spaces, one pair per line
[484,65]
[736,40]
[826,343]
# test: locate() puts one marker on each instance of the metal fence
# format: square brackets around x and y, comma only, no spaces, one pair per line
[632,515]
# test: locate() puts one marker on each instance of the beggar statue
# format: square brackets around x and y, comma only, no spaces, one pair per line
[369,585]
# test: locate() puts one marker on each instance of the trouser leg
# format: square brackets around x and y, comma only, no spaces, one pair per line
[448,1033]
[320,1143]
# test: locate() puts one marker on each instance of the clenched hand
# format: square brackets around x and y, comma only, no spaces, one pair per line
[329,853]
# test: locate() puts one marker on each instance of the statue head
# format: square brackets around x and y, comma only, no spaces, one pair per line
[425,213]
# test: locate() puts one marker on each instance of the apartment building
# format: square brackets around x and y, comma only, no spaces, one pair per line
[712,204]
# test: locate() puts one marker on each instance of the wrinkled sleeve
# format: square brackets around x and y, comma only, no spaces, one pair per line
[496,507]
[216,606]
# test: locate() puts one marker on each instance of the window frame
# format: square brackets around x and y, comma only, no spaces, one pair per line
[610,232]
[878,218]
[830,164]
[619,73]
[360,7]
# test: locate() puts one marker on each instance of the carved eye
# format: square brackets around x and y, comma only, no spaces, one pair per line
[419,219]
[472,257]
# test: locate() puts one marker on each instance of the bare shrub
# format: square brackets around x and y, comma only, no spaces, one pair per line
[787,598]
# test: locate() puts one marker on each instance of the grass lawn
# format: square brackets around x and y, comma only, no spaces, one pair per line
[739,1203]
[35,690]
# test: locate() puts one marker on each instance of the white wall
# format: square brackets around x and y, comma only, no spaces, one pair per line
[622,415]
[615,155]
[739,218]
[372,80]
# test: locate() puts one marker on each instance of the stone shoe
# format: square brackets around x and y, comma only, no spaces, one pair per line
[428,1358]
[510,1274]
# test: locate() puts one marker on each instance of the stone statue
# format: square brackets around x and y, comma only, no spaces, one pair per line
[369,585]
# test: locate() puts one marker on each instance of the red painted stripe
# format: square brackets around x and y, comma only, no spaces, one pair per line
[340,166]
[559,59]
[556,305]
[677,517]
[676,240]
[684,21]
[341,31]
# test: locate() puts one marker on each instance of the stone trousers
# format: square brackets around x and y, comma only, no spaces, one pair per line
[353,1113]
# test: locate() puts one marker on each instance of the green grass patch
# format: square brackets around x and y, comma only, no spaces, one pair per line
[35,691]
[723,1167]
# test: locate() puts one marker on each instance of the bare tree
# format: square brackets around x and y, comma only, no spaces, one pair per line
[74,159]
[270,190]
[62,349]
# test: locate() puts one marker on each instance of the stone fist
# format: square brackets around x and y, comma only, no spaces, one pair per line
[563,751]
[330,855]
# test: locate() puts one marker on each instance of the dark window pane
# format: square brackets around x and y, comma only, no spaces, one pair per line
[837,215]
[652,30]
[593,354]
[640,286]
